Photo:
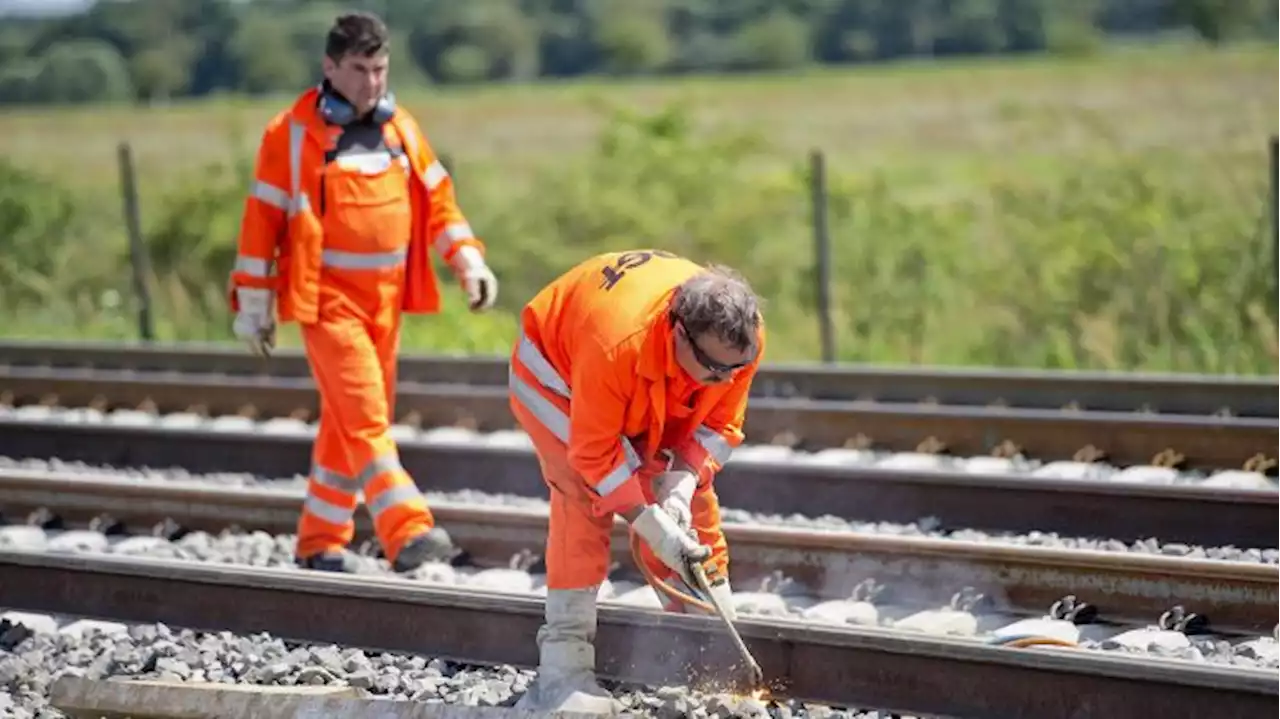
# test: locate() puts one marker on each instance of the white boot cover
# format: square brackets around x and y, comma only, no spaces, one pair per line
[567,658]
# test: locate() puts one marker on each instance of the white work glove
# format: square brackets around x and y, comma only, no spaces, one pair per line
[255,323]
[669,542]
[674,493]
[476,278]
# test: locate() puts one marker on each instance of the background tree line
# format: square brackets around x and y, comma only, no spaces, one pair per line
[152,50]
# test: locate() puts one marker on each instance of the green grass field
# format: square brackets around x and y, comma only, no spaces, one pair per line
[1099,212]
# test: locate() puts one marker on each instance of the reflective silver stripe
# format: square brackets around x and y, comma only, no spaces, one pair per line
[715,444]
[453,233]
[270,194]
[297,133]
[255,266]
[393,496]
[435,174]
[531,358]
[334,480]
[388,462]
[331,513]
[362,260]
[547,413]
[620,474]
[557,421]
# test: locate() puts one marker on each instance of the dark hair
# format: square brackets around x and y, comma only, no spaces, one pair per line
[718,301]
[357,33]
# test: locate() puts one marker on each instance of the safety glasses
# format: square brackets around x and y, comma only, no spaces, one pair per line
[706,360]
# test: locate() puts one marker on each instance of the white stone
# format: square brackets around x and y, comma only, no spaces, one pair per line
[139,545]
[763,603]
[23,537]
[502,580]
[403,432]
[1263,649]
[1069,470]
[80,627]
[1239,479]
[132,418]
[1147,639]
[78,540]
[232,423]
[940,621]
[762,453]
[988,465]
[911,461]
[1043,627]
[839,457]
[38,623]
[508,438]
[286,426]
[182,420]
[843,611]
[642,596]
[450,435]
[1146,474]
[436,573]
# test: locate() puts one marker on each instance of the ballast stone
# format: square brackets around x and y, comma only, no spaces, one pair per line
[1239,479]
[1146,474]
[843,611]
[940,621]
[1149,639]
[1059,629]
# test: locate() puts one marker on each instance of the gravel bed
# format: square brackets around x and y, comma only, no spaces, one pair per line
[37,649]
[925,527]
[912,461]
[774,596]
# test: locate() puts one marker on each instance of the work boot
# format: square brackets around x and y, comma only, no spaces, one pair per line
[433,545]
[567,658]
[334,560]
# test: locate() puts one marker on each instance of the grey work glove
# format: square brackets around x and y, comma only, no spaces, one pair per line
[476,278]
[255,323]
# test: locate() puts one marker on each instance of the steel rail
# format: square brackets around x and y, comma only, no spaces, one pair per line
[1244,518]
[1123,438]
[1195,394]
[865,667]
[915,572]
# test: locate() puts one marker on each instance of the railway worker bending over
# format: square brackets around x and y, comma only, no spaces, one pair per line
[347,198]
[631,377]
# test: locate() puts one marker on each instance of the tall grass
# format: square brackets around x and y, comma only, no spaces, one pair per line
[1106,213]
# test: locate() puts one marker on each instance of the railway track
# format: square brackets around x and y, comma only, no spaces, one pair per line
[1120,438]
[842,665]
[910,573]
[860,666]
[1127,511]
[1105,391]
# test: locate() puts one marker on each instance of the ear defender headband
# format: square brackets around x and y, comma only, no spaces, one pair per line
[336,110]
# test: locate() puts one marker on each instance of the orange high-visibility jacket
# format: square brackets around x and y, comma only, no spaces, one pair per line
[601,335]
[281,237]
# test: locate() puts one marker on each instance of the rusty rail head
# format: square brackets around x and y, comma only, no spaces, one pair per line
[1121,438]
[848,666]
[918,571]
[1106,391]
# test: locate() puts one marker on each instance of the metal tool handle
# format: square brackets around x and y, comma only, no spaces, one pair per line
[700,574]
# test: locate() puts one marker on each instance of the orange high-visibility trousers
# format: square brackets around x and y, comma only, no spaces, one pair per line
[577,549]
[352,353]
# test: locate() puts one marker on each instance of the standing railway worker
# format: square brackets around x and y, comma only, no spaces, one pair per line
[631,377]
[348,197]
